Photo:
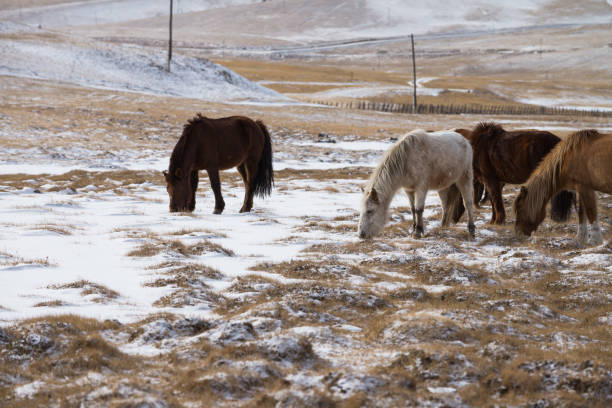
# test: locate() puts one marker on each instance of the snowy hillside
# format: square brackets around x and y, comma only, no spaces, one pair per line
[311,20]
[99,65]
[105,11]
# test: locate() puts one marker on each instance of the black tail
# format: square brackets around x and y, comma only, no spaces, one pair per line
[455,204]
[262,186]
[477,193]
[561,206]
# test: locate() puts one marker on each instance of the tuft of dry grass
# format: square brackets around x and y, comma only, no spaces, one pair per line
[51,303]
[11,260]
[102,293]
[152,248]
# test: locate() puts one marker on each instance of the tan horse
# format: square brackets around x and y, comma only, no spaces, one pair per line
[582,162]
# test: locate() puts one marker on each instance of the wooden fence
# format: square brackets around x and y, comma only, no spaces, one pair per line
[466,108]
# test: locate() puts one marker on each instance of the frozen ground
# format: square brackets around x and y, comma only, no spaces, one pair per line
[286,304]
[107,299]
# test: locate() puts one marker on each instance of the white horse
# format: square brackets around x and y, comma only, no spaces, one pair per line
[419,162]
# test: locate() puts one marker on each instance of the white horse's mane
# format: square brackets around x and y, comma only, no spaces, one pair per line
[392,166]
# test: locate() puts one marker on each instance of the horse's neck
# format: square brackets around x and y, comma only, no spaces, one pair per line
[184,156]
[540,191]
[389,180]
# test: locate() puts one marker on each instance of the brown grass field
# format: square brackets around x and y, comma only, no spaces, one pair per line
[437,322]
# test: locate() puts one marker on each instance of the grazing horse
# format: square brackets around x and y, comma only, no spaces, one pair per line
[582,162]
[502,157]
[220,144]
[419,162]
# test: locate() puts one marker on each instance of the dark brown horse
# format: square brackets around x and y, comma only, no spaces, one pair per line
[220,144]
[502,157]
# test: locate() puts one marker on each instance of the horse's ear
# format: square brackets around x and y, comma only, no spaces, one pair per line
[179,173]
[362,189]
[373,195]
[165,175]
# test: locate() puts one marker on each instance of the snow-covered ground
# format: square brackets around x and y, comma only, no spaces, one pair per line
[127,68]
[282,306]
[105,11]
[321,20]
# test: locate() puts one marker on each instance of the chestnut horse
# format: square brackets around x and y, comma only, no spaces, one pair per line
[501,157]
[220,144]
[582,162]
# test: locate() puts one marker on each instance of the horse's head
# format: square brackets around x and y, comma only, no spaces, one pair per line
[527,220]
[180,190]
[373,215]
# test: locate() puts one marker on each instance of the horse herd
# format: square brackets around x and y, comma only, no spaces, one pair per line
[459,164]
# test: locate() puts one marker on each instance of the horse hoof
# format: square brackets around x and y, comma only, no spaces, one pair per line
[218,211]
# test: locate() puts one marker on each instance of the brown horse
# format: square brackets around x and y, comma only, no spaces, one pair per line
[478,186]
[582,162]
[220,144]
[501,157]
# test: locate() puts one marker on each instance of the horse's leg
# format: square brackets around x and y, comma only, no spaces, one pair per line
[420,206]
[465,185]
[243,173]
[250,167]
[581,235]
[194,187]
[494,188]
[590,204]
[410,195]
[215,183]
[443,194]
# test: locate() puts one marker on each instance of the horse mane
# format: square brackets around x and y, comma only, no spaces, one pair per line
[176,158]
[547,177]
[393,163]
[485,132]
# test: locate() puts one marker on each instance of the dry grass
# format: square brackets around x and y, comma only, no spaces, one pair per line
[101,292]
[373,323]
[51,303]
[150,249]
[11,260]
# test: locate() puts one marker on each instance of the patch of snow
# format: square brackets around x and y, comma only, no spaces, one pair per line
[441,390]
[127,68]
[29,389]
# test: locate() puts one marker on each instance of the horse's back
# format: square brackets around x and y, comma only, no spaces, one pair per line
[224,143]
[451,142]
[517,153]
[443,156]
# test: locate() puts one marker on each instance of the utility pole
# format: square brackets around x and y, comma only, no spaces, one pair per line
[414,83]
[170,39]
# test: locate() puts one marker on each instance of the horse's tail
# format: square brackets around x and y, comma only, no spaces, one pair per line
[262,186]
[561,205]
[455,207]
[478,192]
